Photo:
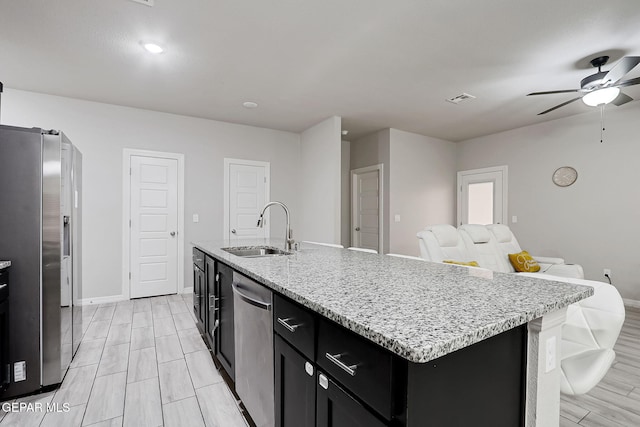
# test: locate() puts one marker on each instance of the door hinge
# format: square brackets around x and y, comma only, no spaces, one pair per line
[129,275]
[129,171]
[265,179]
[129,223]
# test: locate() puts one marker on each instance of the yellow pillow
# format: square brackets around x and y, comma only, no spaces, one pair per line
[524,263]
[468,264]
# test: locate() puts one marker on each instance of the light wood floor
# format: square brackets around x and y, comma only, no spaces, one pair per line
[615,401]
[141,363]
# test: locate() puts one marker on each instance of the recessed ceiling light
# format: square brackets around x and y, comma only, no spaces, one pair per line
[152,47]
[250,104]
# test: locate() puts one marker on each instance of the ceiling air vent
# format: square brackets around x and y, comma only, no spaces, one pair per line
[145,2]
[462,97]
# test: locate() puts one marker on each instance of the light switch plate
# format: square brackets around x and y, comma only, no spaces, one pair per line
[196,218]
[396,218]
[514,219]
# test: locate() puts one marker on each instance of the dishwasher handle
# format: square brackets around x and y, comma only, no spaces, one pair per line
[246,298]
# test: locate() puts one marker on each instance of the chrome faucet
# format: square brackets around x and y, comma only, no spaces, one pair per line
[288,238]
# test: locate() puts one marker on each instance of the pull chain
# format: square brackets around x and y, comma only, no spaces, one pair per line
[601,123]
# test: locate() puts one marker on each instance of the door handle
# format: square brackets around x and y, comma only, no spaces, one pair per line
[173,233]
[256,303]
[357,228]
[233,230]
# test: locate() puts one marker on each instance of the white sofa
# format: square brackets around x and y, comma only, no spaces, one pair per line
[490,246]
[592,325]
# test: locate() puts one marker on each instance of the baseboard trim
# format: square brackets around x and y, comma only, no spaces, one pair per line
[102,300]
[188,290]
[631,302]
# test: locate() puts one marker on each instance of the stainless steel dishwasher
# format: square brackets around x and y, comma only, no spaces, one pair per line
[253,325]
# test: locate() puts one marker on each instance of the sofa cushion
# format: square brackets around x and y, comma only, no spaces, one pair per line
[446,235]
[477,233]
[465,263]
[501,232]
[524,263]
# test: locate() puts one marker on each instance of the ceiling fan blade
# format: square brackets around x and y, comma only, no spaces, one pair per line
[630,82]
[555,91]
[559,105]
[621,99]
[623,66]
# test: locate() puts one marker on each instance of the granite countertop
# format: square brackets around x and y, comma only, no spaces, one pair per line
[4,264]
[416,309]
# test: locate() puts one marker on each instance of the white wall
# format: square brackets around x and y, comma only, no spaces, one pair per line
[319,179]
[593,222]
[102,131]
[422,178]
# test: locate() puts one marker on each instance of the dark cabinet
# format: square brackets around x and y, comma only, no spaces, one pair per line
[5,366]
[199,288]
[337,408]
[305,397]
[295,387]
[211,301]
[225,348]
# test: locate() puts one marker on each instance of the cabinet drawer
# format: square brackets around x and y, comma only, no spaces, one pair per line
[295,324]
[361,366]
[198,258]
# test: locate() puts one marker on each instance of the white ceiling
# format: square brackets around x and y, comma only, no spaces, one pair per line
[375,63]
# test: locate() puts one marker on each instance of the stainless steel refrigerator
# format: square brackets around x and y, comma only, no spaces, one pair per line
[40,233]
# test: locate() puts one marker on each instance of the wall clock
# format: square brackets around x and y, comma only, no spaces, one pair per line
[564,176]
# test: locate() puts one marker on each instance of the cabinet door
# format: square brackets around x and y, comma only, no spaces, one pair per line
[336,408]
[226,344]
[295,387]
[198,291]
[211,301]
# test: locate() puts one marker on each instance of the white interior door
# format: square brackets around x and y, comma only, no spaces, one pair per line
[366,208]
[154,226]
[247,194]
[482,196]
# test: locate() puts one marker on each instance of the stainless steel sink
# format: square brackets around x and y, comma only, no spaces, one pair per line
[255,251]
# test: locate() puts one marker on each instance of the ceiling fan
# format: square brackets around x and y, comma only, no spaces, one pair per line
[602,87]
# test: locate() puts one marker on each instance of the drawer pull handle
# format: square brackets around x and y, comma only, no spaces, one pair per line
[335,358]
[290,328]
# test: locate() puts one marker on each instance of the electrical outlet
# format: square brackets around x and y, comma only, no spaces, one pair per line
[607,272]
[196,218]
[550,364]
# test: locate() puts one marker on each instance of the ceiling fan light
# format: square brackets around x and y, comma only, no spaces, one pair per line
[601,96]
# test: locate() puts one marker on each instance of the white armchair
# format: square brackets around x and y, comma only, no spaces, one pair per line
[442,242]
[588,336]
[508,244]
[592,325]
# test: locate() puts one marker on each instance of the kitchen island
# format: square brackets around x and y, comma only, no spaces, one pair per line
[456,339]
